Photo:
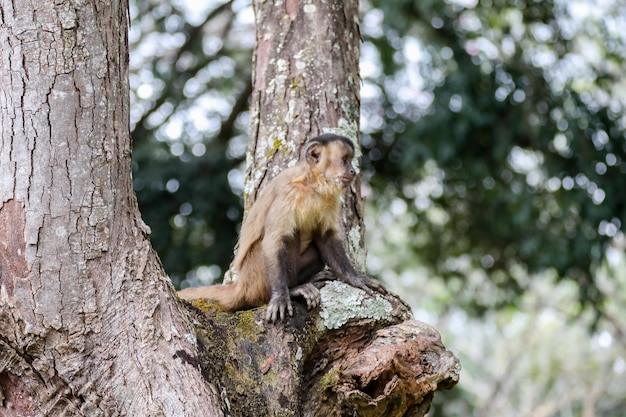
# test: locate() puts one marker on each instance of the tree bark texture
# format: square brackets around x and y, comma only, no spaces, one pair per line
[89,323]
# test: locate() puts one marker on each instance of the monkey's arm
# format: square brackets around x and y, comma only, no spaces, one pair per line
[334,255]
[279,256]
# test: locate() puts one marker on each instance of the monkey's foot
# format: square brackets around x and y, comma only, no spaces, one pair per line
[309,292]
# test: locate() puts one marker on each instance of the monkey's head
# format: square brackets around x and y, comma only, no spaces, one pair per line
[331,155]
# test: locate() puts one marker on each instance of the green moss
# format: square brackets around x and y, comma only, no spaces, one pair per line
[277,144]
[246,325]
[328,380]
[235,355]
[206,306]
[242,382]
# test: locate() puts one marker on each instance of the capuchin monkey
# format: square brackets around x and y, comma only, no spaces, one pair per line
[290,234]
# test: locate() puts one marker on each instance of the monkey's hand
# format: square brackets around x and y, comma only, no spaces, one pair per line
[278,308]
[309,292]
[367,284]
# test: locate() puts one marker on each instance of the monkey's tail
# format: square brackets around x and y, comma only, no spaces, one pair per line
[228,296]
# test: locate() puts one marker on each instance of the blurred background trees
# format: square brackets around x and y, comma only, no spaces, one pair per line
[494,167]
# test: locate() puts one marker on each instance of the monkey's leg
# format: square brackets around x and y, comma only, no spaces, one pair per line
[309,263]
[280,259]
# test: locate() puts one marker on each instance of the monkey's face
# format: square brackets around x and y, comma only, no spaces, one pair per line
[334,162]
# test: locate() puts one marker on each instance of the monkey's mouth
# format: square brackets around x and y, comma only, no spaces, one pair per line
[346,180]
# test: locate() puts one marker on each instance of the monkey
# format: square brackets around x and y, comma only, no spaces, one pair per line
[290,234]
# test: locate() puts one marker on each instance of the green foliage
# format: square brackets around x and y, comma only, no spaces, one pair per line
[527,152]
[193,212]
[534,360]
[190,84]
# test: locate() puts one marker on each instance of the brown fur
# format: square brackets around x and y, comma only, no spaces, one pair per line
[297,210]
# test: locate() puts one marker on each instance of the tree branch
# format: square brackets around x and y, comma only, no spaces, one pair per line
[357,355]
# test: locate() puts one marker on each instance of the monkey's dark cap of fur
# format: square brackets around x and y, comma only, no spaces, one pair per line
[330,137]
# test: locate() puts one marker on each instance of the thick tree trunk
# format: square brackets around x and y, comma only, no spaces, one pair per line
[89,324]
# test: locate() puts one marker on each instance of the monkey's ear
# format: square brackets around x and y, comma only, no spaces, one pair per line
[312,152]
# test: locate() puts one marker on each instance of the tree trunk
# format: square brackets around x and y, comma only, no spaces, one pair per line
[89,324]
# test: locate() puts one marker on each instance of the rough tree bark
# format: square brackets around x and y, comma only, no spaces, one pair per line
[89,323]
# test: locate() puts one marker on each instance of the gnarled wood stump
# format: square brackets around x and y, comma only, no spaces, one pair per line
[357,355]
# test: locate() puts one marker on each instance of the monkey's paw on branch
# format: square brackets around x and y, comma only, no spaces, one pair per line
[362,282]
[278,308]
[368,284]
[309,292]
